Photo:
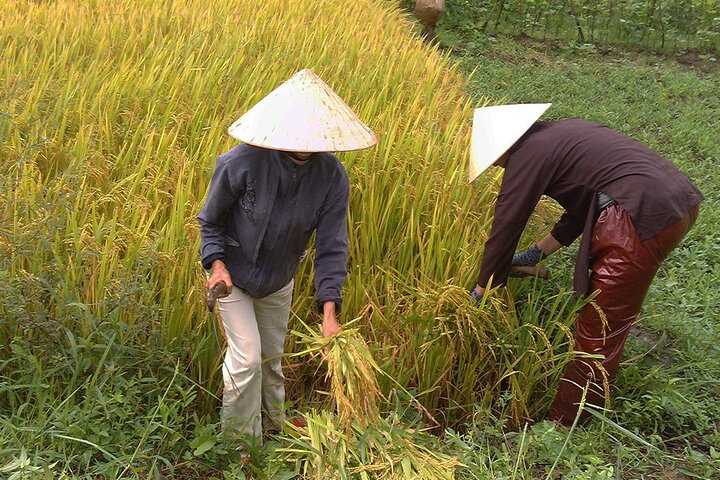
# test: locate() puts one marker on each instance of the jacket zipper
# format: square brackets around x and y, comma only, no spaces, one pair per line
[293,179]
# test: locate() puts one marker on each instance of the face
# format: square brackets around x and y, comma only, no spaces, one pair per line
[299,158]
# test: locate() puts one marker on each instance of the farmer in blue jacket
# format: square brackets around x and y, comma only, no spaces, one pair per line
[267,196]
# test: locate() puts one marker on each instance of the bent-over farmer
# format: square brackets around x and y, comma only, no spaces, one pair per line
[267,196]
[630,205]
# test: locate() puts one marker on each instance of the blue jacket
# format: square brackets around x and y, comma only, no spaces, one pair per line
[260,212]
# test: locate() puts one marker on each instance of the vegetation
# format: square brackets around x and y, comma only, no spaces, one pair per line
[664,25]
[110,129]
[109,118]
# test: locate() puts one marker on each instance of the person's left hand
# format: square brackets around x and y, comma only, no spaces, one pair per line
[477,293]
[330,326]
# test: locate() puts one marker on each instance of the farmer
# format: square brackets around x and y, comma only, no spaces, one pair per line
[630,205]
[267,196]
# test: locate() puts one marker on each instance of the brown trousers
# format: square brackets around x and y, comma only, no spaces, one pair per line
[622,268]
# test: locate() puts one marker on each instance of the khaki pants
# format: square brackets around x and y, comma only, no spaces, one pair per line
[255,331]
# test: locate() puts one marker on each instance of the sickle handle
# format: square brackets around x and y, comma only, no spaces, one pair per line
[219,290]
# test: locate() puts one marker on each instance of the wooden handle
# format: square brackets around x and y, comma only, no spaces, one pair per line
[219,290]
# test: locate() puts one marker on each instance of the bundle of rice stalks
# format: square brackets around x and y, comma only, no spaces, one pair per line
[333,448]
[354,386]
[352,371]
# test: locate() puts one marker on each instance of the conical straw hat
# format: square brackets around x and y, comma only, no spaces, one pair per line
[303,115]
[496,129]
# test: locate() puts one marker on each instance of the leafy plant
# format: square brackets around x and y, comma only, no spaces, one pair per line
[675,24]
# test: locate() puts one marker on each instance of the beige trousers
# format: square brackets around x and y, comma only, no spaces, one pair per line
[255,331]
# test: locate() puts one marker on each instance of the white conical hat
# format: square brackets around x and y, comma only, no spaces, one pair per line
[496,129]
[303,115]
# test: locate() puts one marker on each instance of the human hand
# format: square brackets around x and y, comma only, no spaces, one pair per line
[528,257]
[528,271]
[477,293]
[219,284]
[330,326]
[218,273]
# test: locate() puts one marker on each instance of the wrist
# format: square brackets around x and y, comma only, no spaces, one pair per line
[328,310]
[327,307]
[477,293]
[548,244]
[218,264]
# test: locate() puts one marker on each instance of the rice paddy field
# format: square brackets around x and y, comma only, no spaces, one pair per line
[111,115]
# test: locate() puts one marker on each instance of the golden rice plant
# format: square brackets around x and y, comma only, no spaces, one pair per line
[111,113]
[456,354]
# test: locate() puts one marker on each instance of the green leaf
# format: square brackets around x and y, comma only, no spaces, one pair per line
[203,444]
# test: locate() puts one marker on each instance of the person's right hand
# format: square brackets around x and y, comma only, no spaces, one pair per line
[528,257]
[219,273]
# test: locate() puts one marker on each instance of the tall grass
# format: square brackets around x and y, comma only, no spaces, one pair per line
[110,116]
[95,409]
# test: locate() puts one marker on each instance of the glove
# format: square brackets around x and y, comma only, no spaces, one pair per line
[475,295]
[528,257]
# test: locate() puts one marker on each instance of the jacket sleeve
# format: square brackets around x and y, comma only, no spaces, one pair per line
[221,195]
[567,228]
[331,244]
[522,186]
